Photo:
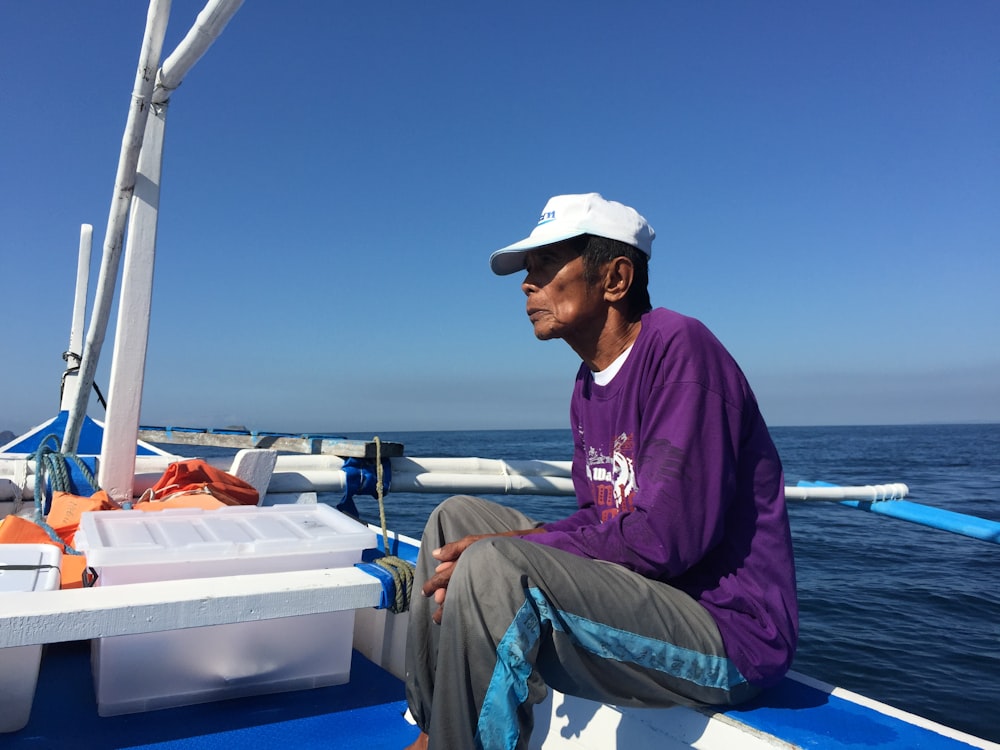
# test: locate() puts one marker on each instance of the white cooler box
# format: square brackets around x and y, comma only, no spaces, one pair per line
[179,667]
[23,567]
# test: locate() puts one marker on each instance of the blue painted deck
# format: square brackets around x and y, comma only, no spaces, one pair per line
[810,718]
[91,437]
[367,713]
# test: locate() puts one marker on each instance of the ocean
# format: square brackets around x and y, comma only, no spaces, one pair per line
[895,611]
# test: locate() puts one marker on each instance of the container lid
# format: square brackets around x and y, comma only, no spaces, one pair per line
[29,567]
[128,537]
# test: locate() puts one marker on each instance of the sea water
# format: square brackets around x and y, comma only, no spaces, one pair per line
[901,613]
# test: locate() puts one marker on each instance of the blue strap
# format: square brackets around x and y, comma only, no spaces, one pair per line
[361,477]
[385,578]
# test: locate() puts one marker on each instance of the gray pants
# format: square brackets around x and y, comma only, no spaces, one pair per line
[519,615]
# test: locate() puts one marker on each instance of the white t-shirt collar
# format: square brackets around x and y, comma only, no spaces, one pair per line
[606,375]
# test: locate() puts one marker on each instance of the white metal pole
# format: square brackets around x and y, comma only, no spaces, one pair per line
[128,363]
[149,57]
[73,353]
[82,283]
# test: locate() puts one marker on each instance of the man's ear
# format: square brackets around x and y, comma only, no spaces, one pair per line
[618,276]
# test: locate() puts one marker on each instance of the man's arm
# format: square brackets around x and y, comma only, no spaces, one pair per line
[685,477]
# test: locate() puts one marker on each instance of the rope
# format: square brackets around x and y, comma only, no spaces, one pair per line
[49,459]
[400,570]
[75,370]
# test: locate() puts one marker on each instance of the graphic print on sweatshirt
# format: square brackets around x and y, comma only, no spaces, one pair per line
[612,476]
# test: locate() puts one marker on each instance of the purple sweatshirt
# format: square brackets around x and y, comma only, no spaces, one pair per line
[676,478]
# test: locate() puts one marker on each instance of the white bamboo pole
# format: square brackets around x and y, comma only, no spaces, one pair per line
[206,29]
[449,476]
[73,353]
[873,492]
[451,465]
[331,480]
[149,57]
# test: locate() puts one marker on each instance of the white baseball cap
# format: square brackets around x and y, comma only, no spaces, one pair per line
[567,216]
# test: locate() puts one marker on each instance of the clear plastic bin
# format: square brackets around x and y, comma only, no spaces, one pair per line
[23,567]
[179,667]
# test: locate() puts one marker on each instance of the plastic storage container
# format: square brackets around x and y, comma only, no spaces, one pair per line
[179,667]
[23,567]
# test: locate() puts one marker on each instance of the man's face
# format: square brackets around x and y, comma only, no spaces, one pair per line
[561,304]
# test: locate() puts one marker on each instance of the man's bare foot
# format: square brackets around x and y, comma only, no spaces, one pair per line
[420,743]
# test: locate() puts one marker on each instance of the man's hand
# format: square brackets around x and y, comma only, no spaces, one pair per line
[447,555]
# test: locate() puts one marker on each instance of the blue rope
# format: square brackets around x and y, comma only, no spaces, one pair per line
[49,460]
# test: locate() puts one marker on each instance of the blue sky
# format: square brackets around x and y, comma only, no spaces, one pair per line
[823,177]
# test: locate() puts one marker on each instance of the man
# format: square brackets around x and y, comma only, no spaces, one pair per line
[674,580]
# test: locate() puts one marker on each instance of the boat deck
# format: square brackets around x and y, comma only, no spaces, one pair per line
[809,717]
[368,713]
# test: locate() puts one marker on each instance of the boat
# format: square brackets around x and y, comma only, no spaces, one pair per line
[369,710]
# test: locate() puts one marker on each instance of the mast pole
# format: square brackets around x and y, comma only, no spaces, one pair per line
[73,353]
[149,58]
[128,365]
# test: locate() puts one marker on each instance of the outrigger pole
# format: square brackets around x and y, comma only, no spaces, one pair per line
[895,507]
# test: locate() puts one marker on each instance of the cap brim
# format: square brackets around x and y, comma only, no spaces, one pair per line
[510,259]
